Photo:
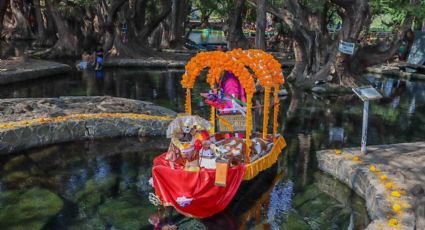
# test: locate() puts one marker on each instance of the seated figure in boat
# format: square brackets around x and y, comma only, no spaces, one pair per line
[232,89]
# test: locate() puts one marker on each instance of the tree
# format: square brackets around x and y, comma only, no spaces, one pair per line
[67,43]
[21,27]
[235,36]
[316,50]
[131,16]
[208,8]
[180,10]
[40,22]
[260,34]
[3,7]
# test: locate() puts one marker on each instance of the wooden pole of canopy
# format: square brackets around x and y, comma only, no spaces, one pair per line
[188,105]
[212,119]
[248,127]
[266,111]
[275,111]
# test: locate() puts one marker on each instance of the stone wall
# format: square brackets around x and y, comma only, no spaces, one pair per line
[358,177]
[40,134]
[44,134]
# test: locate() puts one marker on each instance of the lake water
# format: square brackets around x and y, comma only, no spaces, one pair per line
[103,184]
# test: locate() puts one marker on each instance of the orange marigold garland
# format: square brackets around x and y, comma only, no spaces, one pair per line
[217,62]
[266,68]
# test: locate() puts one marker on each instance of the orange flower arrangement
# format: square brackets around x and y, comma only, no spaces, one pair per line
[266,68]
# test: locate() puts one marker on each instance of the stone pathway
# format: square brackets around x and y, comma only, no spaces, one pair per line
[394,70]
[21,70]
[384,170]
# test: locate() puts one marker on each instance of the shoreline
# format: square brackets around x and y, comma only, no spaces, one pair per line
[12,71]
[386,178]
[26,124]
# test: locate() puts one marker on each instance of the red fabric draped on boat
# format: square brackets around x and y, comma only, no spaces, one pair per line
[194,193]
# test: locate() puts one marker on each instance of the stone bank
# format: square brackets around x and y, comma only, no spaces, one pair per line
[391,179]
[27,123]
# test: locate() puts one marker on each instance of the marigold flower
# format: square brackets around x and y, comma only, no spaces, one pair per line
[393,222]
[395,194]
[396,207]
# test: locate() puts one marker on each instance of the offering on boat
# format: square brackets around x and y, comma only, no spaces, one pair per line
[208,159]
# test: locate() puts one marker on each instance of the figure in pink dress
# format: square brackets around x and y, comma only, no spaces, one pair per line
[231,86]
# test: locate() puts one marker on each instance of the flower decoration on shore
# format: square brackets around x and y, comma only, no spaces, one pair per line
[356,158]
[393,222]
[59,119]
[395,194]
[396,207]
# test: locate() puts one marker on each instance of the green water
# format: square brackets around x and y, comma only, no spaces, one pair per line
[103,184]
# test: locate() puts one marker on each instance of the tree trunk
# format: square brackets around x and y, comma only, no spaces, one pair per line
[41,30]
[260,33]
[4,4]
[136,45]
[156,39]
[179,12]
[235,36]
[22,29]
[67,43]
[316,53]
[165,37]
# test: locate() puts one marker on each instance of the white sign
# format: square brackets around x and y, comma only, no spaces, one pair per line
[346,47]
[367,93]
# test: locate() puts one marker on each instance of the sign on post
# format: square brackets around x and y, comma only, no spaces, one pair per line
[346,47]
[366,94]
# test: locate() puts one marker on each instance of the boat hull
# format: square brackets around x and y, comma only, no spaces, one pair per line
[195,194]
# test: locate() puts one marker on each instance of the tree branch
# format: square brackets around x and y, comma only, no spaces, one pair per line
[151,26]
[343,3]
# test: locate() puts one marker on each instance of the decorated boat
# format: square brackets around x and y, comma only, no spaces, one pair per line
[208,159]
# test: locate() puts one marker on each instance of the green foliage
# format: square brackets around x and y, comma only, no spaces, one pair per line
[218,8]
[389,14]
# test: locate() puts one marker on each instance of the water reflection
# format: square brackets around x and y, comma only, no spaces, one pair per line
[104,184]
[402,107]
[162,87]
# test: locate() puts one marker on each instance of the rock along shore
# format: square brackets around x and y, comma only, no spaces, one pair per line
[27,123]
[15,71]
[391,179]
